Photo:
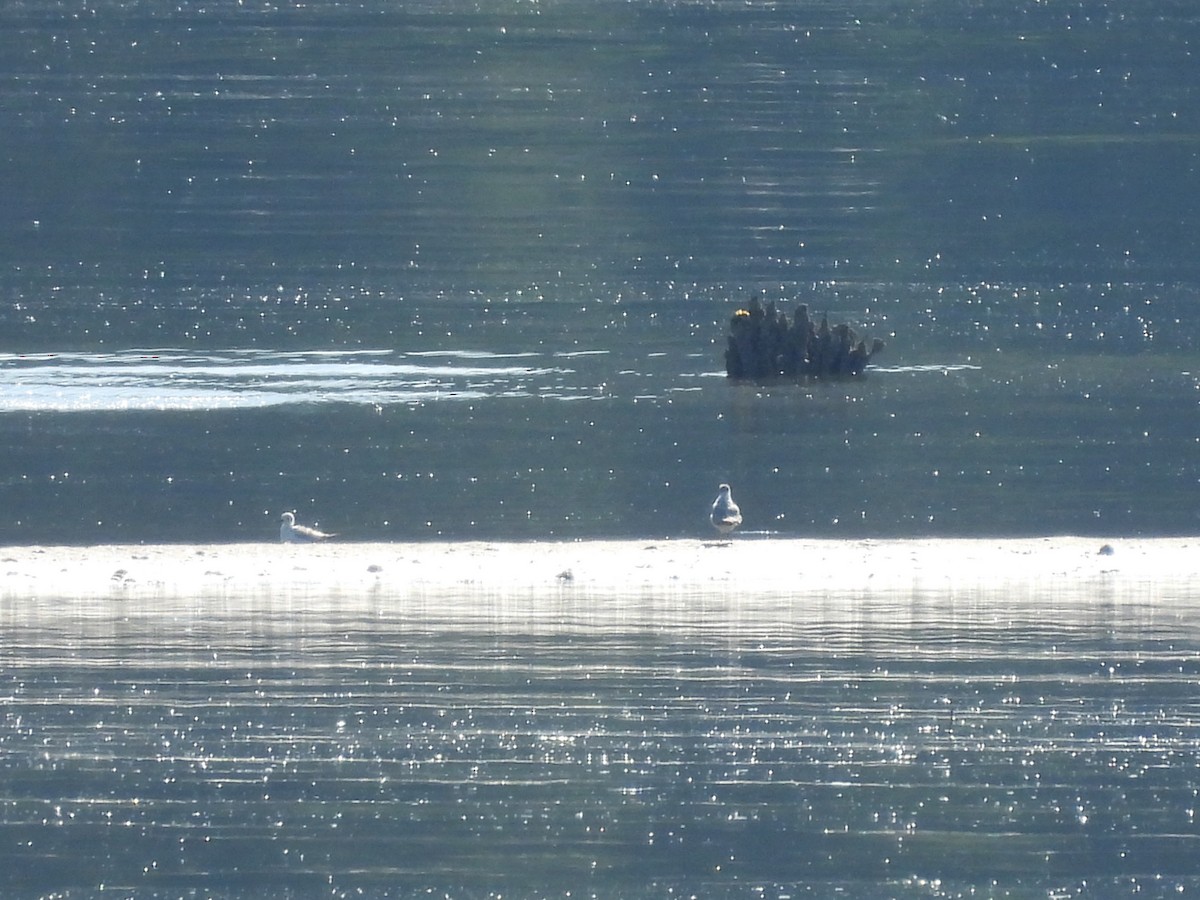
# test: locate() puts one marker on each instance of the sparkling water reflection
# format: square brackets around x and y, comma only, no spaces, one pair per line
[908,745]
[459,269]
[179,380]
[597,184]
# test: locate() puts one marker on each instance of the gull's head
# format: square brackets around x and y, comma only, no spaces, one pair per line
[288,517]
[724,489]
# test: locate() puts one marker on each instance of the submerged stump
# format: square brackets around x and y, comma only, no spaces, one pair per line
[764,344]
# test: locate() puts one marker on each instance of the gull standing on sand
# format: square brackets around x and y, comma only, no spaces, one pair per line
[291,533]
[725,513]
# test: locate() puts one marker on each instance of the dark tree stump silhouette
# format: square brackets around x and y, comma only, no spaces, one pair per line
[764,344]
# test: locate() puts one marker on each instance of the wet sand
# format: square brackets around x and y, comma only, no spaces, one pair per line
[749,565]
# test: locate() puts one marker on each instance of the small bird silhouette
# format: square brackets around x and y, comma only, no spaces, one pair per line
[291,533]
[725,513]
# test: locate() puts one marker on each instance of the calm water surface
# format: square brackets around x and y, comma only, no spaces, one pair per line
[465,270]
[434,269]
[655,745]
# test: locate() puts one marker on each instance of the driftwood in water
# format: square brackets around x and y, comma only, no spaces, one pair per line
[764,344]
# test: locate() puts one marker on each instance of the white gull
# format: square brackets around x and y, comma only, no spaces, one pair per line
[725,513]
[291,533]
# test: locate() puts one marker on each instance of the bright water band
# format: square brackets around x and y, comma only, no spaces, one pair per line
[741,569]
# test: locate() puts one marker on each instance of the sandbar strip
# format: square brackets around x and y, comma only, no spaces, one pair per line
[748,566]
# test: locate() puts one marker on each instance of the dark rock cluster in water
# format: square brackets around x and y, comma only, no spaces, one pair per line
[764,344]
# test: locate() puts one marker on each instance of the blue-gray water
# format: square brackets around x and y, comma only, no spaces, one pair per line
[435,269]
[461,270]
[649,745]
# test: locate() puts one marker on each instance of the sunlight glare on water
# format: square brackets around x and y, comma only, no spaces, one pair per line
[178,380]
[638,744]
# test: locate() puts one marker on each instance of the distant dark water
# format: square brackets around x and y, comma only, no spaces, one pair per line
[929,745]
[1005,195]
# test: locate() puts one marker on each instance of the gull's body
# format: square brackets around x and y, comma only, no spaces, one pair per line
[291,533]
[725,513]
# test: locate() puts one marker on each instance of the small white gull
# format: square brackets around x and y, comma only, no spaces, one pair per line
[291,533]
[725,513]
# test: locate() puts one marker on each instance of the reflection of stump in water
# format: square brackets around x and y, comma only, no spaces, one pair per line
[764,344]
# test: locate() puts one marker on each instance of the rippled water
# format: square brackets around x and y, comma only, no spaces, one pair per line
[250,249]
[464,270]
[171,380]
[874,745]
[606,440]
